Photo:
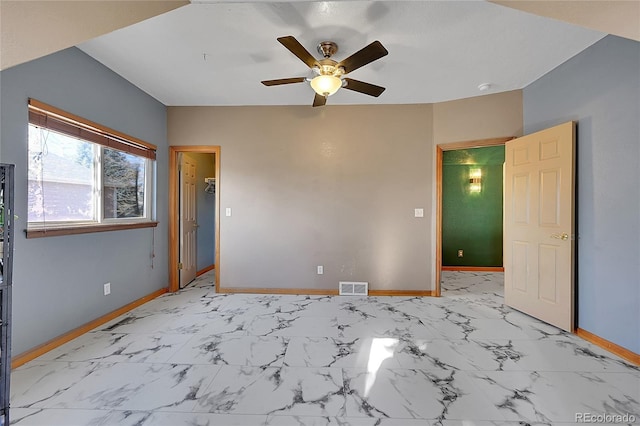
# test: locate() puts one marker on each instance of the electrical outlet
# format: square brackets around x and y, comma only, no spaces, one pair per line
[418,212]
[107,289]
[460,253]
[320,269]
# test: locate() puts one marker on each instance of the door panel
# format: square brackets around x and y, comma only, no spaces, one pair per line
[549,149]
[521,197]
[539,225]
[520,155]
[520,260]
[549,193]
[548,285]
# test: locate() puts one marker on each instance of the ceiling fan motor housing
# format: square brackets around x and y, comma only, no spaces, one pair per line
[327,49]
[328,67]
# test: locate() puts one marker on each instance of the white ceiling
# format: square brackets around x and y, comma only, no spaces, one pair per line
[210,53]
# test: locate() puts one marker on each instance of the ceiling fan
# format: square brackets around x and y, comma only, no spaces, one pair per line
[329,74]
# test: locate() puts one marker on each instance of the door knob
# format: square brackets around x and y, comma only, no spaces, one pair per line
[564,236]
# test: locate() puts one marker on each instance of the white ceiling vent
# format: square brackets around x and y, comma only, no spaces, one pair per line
[351,288]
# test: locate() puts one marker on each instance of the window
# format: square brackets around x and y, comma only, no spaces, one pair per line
[84,177]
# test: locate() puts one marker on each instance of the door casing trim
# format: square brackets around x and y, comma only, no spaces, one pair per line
[173,210]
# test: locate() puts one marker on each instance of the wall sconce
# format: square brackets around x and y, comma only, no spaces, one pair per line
[475,180]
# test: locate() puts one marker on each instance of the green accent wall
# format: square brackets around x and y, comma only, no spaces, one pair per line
[472,221]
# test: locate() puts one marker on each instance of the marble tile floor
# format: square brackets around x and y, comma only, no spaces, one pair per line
[201,358]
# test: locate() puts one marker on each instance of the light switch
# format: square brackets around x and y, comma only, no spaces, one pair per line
[419,212]
[320,270]
[228,211]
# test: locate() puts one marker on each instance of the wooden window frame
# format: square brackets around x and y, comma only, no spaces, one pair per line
[55,119]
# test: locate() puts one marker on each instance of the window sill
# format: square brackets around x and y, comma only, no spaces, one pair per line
[72,230]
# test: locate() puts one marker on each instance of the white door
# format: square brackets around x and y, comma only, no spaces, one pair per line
[539,225]
[188,225]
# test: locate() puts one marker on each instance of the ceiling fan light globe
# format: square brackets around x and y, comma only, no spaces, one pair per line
[326,85]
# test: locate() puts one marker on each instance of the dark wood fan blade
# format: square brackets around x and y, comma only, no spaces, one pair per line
[362,87]
[283,81]
[297,49]
[319,100]
[368,54]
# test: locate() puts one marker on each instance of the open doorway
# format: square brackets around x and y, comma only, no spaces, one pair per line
[194,194]
[539,223]
[465,178]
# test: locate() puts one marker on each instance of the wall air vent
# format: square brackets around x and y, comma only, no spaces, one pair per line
[352,288]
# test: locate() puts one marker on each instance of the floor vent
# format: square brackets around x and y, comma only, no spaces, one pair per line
[351,288]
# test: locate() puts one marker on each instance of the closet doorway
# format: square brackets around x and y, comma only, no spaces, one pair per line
[194,200]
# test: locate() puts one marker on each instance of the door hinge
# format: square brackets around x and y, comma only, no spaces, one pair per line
[180,265]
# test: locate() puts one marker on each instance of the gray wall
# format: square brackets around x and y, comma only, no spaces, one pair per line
[58,280]
[600,89]
[206,217]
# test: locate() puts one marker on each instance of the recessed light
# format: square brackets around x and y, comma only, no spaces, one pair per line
[484,87]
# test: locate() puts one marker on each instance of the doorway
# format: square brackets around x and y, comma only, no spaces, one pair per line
[440,149]
[194,206]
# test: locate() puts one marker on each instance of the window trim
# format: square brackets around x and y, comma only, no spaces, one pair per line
[57,120]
